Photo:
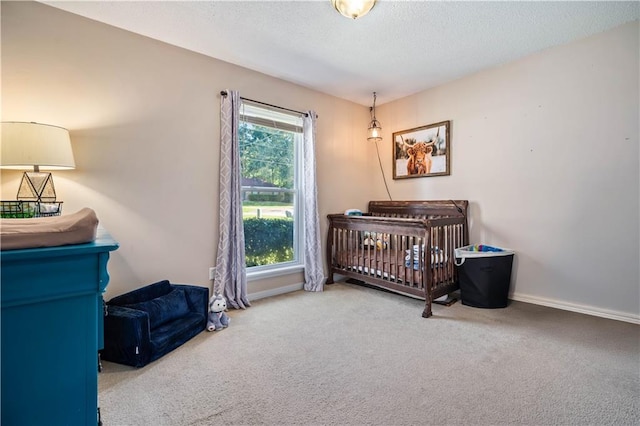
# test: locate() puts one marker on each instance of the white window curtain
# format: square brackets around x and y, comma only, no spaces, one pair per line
[313,272]
[231,275]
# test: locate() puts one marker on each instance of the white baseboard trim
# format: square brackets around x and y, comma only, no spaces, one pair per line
[275,291]
[572,307]
[582,309]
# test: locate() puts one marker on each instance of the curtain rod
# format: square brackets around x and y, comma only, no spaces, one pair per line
[224,93]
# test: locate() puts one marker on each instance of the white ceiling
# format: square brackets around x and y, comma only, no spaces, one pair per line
[399,48]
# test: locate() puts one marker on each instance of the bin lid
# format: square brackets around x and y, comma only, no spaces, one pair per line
[482,250]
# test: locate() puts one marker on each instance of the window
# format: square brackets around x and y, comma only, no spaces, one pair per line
[270,145]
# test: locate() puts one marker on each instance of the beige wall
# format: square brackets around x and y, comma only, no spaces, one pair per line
[144,122]
[546,150]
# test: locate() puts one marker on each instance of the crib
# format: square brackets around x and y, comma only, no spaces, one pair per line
[403,246]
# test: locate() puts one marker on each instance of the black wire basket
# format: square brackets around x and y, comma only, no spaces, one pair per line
[28,209]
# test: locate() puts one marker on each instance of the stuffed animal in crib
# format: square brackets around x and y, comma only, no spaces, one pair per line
[218,319]
[379,241]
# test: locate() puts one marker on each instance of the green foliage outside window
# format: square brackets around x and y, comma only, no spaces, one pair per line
[268,241]
[266,154]
[279,198]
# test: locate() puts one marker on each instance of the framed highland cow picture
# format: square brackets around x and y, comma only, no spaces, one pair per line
[422,152]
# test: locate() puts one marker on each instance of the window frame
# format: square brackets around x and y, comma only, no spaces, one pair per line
[269,120]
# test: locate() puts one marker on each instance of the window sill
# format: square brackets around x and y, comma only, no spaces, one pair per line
[273,272]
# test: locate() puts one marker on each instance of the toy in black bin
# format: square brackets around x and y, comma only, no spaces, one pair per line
[484,274]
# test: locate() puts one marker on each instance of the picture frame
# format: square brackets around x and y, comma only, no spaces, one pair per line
[423,151]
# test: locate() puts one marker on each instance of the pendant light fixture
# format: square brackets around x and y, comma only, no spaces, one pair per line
[375,130]
[353,8]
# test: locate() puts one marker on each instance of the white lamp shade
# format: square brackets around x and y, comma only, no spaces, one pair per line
[26,145]
[353,8]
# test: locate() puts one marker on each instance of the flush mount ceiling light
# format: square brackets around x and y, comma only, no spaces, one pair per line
[375,130]
[353,8]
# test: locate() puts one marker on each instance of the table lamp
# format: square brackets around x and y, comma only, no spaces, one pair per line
[38,146]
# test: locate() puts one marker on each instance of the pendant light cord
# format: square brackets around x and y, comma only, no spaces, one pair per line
[372,110]
[382,171]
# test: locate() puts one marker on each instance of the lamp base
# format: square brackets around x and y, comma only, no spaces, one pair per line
[36,186]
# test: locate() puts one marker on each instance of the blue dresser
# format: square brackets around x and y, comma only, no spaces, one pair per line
[52,316]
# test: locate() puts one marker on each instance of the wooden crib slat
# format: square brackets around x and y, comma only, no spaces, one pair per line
[435,237]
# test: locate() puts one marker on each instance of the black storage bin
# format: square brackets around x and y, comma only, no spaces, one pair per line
[484,274]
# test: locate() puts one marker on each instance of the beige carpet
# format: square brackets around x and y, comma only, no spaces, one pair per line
[353,355]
